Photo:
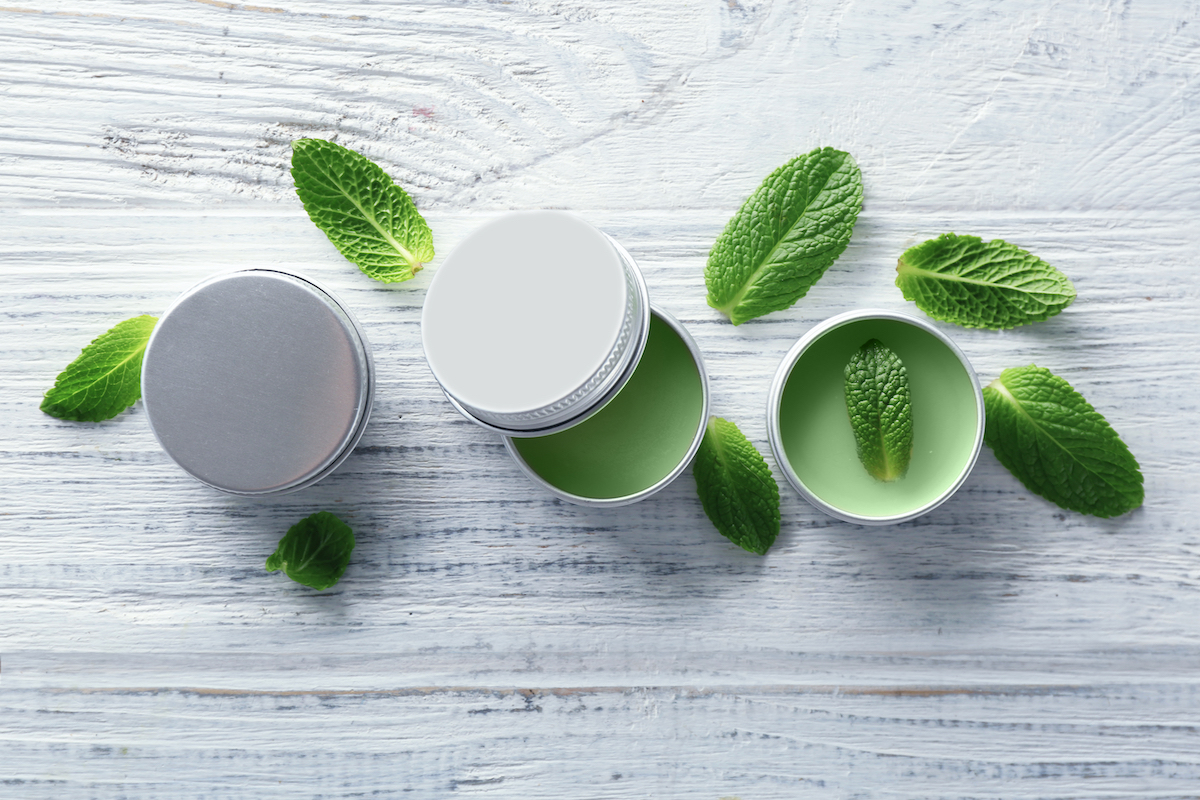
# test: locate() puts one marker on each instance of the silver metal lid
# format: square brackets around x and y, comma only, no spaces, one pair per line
[257,382]
[534,322]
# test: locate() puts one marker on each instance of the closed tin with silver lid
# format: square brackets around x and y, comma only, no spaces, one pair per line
[258,382]
[534,322]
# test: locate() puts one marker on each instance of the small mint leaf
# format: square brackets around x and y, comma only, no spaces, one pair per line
[880,408]
[367,217]
[106,378]
[978,284]
[314,551]
[736,487]
[1055,443]
[784,237]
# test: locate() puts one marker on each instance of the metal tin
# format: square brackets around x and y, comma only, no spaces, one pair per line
[534,323]
[698,358]
[258,382]
[776,396]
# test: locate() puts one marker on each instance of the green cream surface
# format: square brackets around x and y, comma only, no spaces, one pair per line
[815,430]
[639,437]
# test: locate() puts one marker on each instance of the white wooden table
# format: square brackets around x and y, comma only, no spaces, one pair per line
[487,639]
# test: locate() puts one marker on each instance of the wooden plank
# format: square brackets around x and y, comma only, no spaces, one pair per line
[618,743]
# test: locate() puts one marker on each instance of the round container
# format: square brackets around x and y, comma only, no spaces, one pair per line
[809,426]
[534,322]
[257,382]
[640,441]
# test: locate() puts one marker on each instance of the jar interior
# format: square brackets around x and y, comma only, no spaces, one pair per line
[818,441]
[639,438]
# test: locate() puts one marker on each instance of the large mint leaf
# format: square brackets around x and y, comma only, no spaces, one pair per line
[1047,435]
[880,408]
[978,284]
[785,235]
[736,487]
[371,220]
[106,378]
[314,551]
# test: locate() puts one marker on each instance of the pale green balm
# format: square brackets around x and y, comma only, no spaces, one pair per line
[639,438]
[815,430]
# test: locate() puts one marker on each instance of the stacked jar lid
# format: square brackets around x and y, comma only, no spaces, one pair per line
[534,326]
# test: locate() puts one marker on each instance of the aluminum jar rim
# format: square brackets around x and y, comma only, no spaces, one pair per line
[613,502]
[783,374]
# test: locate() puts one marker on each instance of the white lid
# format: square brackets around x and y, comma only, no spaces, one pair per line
[525,312]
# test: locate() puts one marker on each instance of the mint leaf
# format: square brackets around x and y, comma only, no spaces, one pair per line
[785,235]
[978,284]
[371,220]
[880,408]
[1047,435]
[314,551]
[106,378]
[736,488]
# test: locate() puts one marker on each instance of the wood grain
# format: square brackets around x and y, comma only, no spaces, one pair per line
[488,639]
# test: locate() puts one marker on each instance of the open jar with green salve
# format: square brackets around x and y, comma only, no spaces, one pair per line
[539,327]
[812,430]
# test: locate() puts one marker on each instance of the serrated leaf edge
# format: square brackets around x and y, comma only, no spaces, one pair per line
[729,308]
[1002,390]
[903,268]
[82,393]
[414,265]
[725,461]
[767,483]
[281,563]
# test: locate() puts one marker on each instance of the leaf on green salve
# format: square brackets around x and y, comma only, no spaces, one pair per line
[785,235]
[371,220]
[880,408]
[736,487]
[1055,443]
[106,378]
[314,551]
[978,284]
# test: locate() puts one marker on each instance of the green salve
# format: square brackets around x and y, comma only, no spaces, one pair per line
[815,428]
[637,439]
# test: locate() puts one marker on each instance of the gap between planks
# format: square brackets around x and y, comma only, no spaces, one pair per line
[995,690]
